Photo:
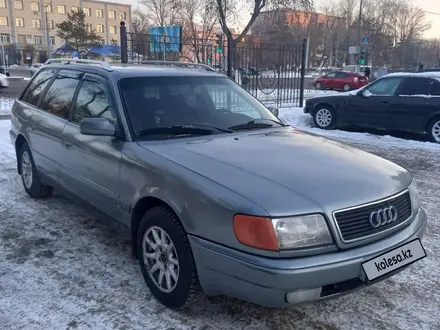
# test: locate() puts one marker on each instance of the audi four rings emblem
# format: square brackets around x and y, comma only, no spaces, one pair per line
[384,216]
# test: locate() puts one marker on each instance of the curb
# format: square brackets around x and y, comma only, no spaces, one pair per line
[5,117]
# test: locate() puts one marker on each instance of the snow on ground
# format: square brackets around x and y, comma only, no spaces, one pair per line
[6,105]
[61,268]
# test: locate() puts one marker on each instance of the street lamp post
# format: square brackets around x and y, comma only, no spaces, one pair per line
[49,42]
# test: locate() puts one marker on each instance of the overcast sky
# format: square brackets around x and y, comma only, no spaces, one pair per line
[428,5]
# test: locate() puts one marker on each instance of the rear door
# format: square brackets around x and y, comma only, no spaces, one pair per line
[340,80]
[414,104]
[49,120]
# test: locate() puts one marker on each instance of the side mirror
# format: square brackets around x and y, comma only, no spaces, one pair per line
[274,110]
[97,126]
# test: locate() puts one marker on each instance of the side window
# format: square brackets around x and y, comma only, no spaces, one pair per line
[37,86]
[331,75]
[341,75]
[435,88]
[58,98]
[94,100]
[416,86]
[385,87]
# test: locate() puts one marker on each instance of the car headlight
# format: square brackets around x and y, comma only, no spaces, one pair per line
[415,197]
[301,231]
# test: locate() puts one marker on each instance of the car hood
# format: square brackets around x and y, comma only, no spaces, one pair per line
[287,171]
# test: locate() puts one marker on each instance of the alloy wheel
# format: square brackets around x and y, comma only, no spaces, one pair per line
[26,169]
[436,131]
[323,118]
[160,258]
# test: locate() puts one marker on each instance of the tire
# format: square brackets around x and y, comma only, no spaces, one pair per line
[29,175]
[318,86]
[346,87]
[434,130]
[186,288]
[324,117]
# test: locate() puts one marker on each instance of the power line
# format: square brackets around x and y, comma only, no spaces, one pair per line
[431,13]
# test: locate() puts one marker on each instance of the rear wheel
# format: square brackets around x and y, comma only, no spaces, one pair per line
[324,117]
[434,130]
[346,87]
[29,175]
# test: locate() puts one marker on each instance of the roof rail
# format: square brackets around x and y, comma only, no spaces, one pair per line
[105,65]
[174,63]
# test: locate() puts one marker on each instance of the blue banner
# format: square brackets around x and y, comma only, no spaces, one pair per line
[165,39]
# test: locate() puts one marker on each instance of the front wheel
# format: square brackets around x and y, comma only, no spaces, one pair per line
[166,259]
[324,117]
[434,130]
[318,86]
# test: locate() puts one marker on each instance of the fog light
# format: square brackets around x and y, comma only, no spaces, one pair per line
[303,295]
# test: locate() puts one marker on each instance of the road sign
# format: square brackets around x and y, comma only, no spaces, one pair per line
[362,62]
[75,55]
[365,41]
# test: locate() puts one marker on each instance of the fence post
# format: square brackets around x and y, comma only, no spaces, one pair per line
[303,72]
[124,46]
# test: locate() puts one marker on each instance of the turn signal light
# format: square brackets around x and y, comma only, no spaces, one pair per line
[257,232]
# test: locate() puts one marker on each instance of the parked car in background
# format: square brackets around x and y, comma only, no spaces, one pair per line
[4,71]
[4,82]
[398,101]
[182,161]
[340,80]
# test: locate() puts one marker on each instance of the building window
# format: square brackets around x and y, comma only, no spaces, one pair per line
[89,27]
[122,16]
[114,42]
[35,6]
[111,14]
[50,24]
[5,37]
[87,11]
[112,29]
[36,23]
[18,4]
[48,7]
[21,39]
[2,3]
[38,40]
[100,28]
[19,22]
[75,9]
[99,13]
[3,21]
[61,9]
[52,40]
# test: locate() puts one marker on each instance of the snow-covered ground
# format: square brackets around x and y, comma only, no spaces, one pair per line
[61,268]
[5,105]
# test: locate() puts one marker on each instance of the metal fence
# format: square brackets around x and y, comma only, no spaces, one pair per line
[273,74]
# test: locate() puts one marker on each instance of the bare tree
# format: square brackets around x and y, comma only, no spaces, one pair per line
[140,21]
[198,18]
[162,12]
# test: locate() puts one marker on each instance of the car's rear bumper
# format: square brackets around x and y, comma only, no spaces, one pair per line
[266,281]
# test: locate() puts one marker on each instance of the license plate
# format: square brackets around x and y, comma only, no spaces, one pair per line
[392,260]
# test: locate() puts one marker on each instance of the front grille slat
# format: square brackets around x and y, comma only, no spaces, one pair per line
[354,224]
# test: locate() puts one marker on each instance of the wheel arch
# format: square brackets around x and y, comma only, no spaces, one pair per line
[430,120]
[142,205]
[19,142]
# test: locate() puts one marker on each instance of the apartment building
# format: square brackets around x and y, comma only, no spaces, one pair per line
[24,21]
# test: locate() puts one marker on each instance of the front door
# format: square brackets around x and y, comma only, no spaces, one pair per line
[50,119]
[90,169]
[375,106]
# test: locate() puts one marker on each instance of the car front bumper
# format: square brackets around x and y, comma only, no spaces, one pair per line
[268,282]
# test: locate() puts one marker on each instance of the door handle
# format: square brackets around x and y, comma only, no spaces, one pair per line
[68,144]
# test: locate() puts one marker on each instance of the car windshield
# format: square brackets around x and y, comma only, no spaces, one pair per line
[199,103]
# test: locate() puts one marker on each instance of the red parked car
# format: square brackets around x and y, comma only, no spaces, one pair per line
[341,80]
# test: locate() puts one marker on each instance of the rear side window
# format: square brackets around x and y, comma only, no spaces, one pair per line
[58,98]
[37,86]
[341,75]
[416,86]
[385,87]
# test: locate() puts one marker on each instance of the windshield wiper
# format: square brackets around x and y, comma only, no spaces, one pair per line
[209,126]
[254,124]
[176,130]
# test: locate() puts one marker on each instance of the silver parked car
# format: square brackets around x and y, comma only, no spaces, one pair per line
[215,192]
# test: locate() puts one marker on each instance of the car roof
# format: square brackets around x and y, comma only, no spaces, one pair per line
[130,70]
[432,74]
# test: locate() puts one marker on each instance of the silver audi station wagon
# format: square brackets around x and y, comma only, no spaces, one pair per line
[216,193]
